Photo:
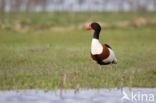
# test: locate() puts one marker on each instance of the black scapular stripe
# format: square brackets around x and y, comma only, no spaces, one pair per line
[108,46]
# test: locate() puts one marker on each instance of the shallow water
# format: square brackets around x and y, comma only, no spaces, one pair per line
[113,95]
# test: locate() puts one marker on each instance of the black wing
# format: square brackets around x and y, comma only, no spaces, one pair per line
[108,46]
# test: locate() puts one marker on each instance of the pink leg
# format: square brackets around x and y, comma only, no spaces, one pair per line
[111,65]
[100,67]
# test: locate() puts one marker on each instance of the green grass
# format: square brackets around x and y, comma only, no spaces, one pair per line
[49,19]
[41,58]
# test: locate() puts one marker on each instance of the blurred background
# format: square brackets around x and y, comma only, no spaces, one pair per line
[19,14]
[77,5]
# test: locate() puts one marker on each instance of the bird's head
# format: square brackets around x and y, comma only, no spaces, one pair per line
[94,26]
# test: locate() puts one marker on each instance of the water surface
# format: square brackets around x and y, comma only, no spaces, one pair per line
[113,95]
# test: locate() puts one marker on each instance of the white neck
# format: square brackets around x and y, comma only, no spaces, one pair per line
[96,47]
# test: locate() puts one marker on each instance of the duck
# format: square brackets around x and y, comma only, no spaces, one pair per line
[103,54]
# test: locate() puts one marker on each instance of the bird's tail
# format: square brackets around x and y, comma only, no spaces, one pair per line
[115,61]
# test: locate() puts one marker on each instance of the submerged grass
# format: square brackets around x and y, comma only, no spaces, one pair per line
[49,59]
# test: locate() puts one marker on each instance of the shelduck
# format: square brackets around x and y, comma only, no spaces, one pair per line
[102,54]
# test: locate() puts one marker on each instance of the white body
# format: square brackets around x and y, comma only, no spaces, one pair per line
[97,48]
[111,56]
